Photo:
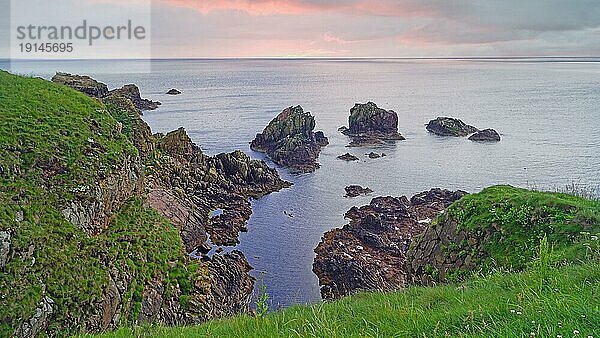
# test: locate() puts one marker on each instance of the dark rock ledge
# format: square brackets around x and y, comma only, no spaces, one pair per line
[370,253]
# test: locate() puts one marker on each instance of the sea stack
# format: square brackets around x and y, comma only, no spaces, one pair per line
[371,125]
[290,141]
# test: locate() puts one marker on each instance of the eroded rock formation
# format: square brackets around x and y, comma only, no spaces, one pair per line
[370,125]
[290,141]
[370,253]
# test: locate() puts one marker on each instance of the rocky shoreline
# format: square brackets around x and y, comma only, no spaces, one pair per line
[372,251]
[175,178]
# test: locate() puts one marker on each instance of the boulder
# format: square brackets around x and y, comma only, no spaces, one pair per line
[348,157]
[369,124]
[289,140]
[173,92]
[486,135]
[447,126]
[356,190]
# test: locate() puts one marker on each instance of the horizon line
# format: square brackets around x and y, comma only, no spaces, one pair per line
[312,58]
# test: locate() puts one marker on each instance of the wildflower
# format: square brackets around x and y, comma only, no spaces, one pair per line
[512,311]
[582,316]
[558,336]
[533,322]
[519,312]
[575,331]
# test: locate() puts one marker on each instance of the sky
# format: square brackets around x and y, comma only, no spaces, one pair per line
[369,28]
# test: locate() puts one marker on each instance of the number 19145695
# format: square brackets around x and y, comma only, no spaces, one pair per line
[47,47]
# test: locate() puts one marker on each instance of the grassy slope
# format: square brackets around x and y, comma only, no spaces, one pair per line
[43,125]
[500,305]
[556,294]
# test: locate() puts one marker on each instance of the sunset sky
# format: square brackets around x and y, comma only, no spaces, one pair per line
[376,28]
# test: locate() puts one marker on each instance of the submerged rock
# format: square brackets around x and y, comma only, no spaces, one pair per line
[370,253]
[486,135]
[84,84]
[447,126]
[371,125]
[356,190]
[289,140]
[348,157]
[173,92]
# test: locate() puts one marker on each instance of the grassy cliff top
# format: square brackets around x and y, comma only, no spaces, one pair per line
[56,142]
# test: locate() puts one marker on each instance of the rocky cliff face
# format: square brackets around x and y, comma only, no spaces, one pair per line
[370,253]
[371,125]
[140,213]
[289,140]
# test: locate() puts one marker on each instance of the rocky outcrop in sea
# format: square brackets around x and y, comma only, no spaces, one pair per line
[356,190]
[370,125]
[486,135]
[448,126]
[290,141]
[370,253]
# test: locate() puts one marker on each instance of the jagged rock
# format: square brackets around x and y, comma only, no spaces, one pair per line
[373,155]
[447,126]
[356,190]
[370,253]
[178,144]
[348,157]
[486,135]
[5,237]
[173,92]
[225,181]
[84,84]
[289,140]
[39,320]
[184,215]
[370,125]
[231,286]
[132,92]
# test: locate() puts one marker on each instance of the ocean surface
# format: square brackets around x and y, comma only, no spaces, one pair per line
[547,112]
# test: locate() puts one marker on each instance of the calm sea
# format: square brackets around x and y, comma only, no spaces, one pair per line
[547,112]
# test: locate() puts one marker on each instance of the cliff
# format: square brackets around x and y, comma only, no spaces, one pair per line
[98,217]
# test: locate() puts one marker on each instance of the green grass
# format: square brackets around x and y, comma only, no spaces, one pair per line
[499,305]
[45,134]
[520,219]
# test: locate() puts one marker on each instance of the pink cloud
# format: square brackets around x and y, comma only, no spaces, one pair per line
[297,7]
